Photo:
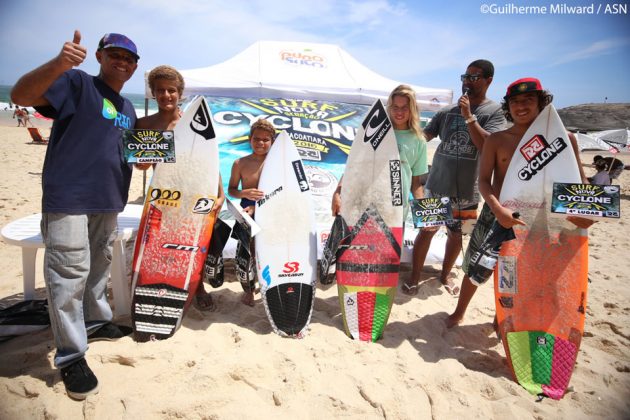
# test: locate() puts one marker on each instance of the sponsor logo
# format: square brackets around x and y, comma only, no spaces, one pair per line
[541,341]
[305,58]
[321,181]
[539,153]
[203,206]
[396,182]
[169,198]
[266,276]
[290,290]
[109,113]
[202,122]
[161,292]
[109,110]
[507,275]
[519,204]
[268,196]
[179,247]
[350,301]
[376,125]
[300,175]
[291,269]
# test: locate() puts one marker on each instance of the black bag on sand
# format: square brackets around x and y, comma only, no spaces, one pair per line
[23,318]
[213,266]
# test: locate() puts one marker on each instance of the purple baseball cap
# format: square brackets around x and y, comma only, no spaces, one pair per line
[118,41]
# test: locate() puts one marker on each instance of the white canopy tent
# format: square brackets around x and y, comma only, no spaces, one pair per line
[586,142]
[300,70]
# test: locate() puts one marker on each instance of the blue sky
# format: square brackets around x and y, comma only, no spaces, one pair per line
[580,58]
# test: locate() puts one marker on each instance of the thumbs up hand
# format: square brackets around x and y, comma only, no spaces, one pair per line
[73,53]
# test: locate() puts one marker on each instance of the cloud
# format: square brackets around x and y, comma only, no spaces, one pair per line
[595,49]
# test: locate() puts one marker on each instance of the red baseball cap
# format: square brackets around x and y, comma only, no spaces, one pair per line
[524,85]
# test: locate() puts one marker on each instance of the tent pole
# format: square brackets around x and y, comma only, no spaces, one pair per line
[144,173]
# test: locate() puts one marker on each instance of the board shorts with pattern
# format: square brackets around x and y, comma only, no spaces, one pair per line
[462,210]
[484,224]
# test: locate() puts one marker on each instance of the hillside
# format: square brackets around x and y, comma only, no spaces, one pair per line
[596,117]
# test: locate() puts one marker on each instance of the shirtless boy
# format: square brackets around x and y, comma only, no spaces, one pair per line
[167,87]
[246,172]
[524,100]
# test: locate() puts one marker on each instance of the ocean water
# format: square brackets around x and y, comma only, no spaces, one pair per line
[137,99]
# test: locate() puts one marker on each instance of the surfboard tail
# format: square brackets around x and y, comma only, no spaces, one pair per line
[289,308]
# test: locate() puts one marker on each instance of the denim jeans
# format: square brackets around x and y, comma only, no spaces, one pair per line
[77,263]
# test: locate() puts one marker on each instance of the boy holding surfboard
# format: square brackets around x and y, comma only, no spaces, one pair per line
[167,87]
[246,173]
[85,185]
[523,101]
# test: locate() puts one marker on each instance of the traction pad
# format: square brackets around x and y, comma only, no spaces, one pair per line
[542,362]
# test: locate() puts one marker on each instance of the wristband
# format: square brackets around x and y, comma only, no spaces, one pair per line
[472,118]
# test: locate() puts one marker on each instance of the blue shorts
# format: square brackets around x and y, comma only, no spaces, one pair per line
[246,202]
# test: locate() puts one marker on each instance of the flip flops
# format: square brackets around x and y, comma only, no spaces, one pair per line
[410,289]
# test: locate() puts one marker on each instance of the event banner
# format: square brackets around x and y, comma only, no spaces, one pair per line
[149,146]
[322,132]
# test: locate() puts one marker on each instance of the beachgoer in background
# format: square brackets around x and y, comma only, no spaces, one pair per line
[167,87]
[602,177]
[404,114]
[82,196]
[523,101]
[27,118]
[613,166]
[246,174]
[19,114]
[462,129]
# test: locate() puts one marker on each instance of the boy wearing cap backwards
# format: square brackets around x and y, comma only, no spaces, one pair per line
[523,101]
[85,185]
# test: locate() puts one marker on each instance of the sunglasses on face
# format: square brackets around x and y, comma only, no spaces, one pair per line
[470,77]
[118,56]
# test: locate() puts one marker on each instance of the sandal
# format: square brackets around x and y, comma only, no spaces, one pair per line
[452,289]
[410,289]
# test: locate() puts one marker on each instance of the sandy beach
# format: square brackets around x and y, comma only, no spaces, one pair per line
[229,364]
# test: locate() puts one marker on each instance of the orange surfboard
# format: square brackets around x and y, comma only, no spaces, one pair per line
[541,278]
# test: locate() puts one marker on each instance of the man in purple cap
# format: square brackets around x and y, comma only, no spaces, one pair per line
[524,100]
[85,185]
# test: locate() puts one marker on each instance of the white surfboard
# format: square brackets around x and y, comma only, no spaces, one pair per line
[286,249]
[367,180]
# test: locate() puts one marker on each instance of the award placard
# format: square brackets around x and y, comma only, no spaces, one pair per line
[427,212]
[149,146]
[586,200]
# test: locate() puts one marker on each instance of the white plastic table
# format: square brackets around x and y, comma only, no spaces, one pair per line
[26,233]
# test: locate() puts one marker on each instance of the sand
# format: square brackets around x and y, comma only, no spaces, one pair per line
[229,364]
